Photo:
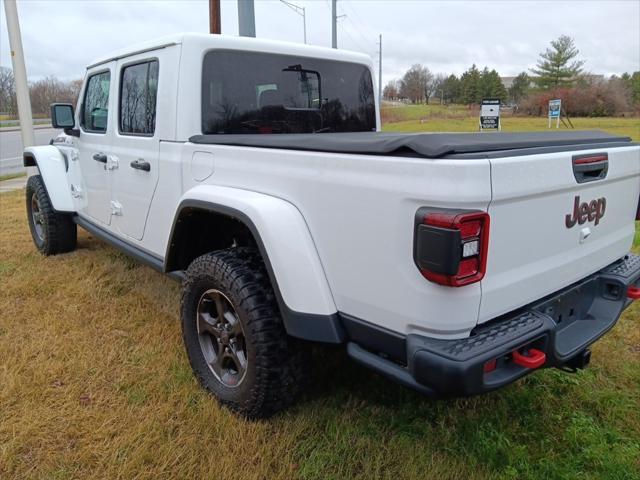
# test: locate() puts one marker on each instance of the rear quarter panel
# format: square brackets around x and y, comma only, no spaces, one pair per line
[360,212]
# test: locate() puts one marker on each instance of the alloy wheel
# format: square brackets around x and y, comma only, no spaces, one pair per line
[221,338]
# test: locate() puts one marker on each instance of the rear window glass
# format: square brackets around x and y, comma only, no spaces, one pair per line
[247,92]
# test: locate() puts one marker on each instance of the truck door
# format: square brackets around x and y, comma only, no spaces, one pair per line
[96,121]
[146,111]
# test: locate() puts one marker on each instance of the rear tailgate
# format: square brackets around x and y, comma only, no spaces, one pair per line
[548,230]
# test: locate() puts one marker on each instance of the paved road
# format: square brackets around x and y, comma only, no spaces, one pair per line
[13,184]
[11,148]
[36,121]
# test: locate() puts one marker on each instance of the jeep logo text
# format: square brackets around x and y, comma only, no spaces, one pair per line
[583,212]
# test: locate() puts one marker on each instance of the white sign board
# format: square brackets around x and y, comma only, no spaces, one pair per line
[490,114]
[555,108]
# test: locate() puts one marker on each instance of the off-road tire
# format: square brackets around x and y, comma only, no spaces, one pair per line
[53,232]
[277,364]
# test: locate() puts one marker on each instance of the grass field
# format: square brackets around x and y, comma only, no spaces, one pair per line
[94,383]
[457,118]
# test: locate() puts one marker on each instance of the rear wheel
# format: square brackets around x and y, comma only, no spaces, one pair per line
[52,232]
[234,336]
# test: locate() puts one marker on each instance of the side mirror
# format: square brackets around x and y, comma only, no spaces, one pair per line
[62,116]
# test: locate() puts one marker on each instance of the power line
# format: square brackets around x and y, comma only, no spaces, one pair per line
[352,16]
[355,13]
[357,30]
[300,11]
[357,43]
[332,6]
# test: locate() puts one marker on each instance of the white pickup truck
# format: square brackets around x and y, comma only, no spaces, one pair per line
[256,173]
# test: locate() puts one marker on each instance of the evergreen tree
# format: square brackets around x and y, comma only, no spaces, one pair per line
[494,86]
[451,89]
[485,84]
[470,86]
[519,88]
[557,66]
[633,85]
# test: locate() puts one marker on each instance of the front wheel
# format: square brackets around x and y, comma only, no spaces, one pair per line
[234,336]
[52,232]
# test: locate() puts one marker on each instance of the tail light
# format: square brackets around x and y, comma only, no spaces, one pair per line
[450,246]
[638,212]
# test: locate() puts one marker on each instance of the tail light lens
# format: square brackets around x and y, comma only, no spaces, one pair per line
[450,246]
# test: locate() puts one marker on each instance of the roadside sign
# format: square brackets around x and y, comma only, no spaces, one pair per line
[490,114]
[555,107]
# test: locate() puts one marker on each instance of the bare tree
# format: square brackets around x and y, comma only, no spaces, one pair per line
[7,91]
[429,84]
[391,90]
[414,83]
[51,90]
[439,83]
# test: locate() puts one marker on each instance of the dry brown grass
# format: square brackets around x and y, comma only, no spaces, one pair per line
[94,384]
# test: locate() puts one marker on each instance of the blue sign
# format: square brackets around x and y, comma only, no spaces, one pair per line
[555,106]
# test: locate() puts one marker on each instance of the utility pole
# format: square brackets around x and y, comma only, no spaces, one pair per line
[19,73]
[380,71]
[304,23]
[214,17]
[334,24]
[300,11]
[246,18]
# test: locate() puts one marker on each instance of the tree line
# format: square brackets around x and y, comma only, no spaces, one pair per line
[419,85]
[42,92]
[558,73]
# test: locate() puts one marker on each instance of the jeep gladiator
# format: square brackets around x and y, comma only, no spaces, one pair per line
[255,173]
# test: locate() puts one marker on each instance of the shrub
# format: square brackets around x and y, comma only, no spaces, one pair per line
[600,99]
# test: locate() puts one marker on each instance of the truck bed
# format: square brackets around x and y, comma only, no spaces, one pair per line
[427,145]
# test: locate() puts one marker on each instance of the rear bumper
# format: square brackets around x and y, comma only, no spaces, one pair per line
[561,326]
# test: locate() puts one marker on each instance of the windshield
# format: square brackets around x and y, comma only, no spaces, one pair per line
[247,92]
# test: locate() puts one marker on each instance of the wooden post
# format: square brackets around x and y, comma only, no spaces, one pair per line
[214,17]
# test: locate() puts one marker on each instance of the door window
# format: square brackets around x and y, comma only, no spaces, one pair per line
[95,107]
[138,92]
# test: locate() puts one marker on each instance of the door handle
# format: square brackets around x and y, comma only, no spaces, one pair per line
[590,167]
[140,164]
[100,157]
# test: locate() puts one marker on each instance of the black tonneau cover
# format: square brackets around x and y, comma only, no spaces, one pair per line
[430,145]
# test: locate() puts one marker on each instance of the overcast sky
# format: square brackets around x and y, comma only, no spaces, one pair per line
[62,36]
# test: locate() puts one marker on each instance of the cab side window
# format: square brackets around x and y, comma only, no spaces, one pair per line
[95,107]
[138,92]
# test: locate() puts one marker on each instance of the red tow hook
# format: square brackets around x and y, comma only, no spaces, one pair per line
[533,359]
[633,293]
